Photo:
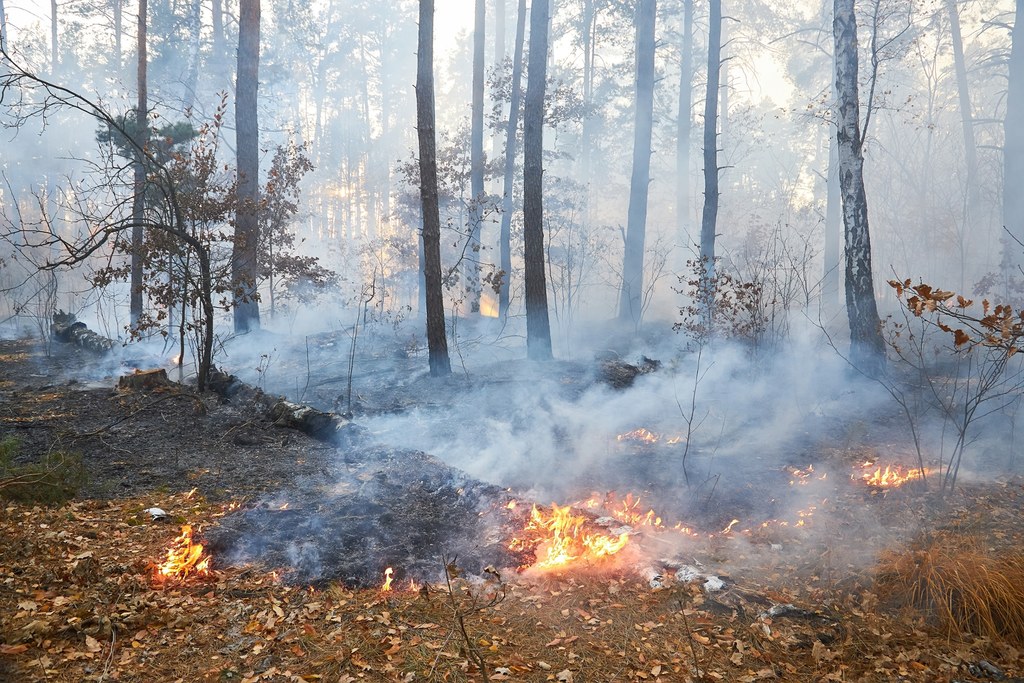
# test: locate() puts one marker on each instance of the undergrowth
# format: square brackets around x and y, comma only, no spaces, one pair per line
[959,584]
[52,481]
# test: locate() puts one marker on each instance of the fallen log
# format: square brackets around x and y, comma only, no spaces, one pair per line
[70,331]
[329,427]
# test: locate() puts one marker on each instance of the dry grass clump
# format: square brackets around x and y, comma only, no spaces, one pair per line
[959,584]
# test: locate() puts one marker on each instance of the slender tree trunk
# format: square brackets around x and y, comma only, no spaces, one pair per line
[437,341]
[684,126]
[631,295]
[833,254]
[217,22]
[511,152]
[139,197]
[243,257]
[500,19]
[1013,151]
[194,29]
[118,29]
[538,327]
[867,349]
[709,218]
[966,117]
[476,171]
[3,27]
[588,37]
[54,52]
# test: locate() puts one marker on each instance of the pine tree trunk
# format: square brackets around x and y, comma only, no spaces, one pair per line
[118,29]
[867,349]
[476,164]
[538,327]
[243,257]
[217,23]
[54,51]
[139,196]
[709,217]
[966,117]
[511,151]
[1013,152]
[3,27]
[631,294]
[437,342]
[684,126]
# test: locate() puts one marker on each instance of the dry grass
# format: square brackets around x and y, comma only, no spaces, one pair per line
[960,585]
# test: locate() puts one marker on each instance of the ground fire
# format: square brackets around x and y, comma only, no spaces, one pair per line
[184,558]
[561,537]
[891,476]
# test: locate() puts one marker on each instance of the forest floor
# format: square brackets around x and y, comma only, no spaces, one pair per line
[81,598]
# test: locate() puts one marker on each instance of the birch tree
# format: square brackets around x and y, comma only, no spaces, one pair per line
[867,349]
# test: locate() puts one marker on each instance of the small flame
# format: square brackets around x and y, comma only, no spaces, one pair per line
[731,525]
[386,586]
[631,513]
[184,557]
[512,505]
[284,506]
[640,435]
[560,538]
[892,476]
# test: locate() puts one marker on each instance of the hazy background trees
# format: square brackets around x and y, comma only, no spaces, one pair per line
[335,78]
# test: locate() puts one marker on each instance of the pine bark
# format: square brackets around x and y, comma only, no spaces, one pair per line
[538,326]
[511,152]
[194,28]
[684,125]
[139,196]
[709,216]
[437,342]
[867,349]
[476,164]
[631,294]
[54,51]
[966,116]
[243,259]
[3,27]
[1013,151]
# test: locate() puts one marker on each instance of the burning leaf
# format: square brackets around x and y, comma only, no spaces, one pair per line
[561,538]
[386,586]
[184,557]
[892,476]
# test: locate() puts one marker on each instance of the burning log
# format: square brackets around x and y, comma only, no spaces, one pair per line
[70,331]
[329,427]
[621,375]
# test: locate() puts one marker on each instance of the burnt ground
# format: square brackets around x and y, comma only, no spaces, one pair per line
[78,598]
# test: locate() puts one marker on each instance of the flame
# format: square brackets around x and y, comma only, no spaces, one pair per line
[488,305]
[561,539]
[386,586]
[640,435]
[284,506]
[184,557]
[630,513]
[892,476]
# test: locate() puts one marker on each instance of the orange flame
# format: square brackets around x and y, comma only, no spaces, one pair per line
[631,514]
[891,477]
[386,586]
[641,435]
[561,539]
[184,557]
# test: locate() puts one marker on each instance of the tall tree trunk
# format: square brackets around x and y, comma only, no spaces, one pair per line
[500,18]
[709,217]
[631,295]
[511,152]
[437,341]
[867,349]
[139,197]
[833,253]
[54,52]
[118,29]
[3,27]
[684,126]
[966,117]
[243,257]
[476,164]
[1013,151]
[588,37]
[217,24]
[538,327]
[194,29]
